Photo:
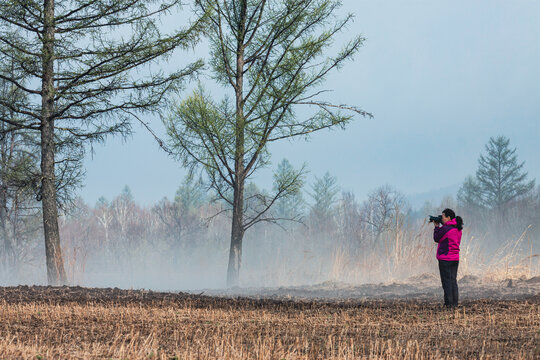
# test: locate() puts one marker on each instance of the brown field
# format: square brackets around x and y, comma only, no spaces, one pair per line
[80,323]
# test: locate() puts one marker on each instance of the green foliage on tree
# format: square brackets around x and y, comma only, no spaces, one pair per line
[325,197]
[272,57]
[292,207]
[18,164]
[18,160]
[191,193]
[500,178]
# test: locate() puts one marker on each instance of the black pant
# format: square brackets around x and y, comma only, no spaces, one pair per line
[448,270]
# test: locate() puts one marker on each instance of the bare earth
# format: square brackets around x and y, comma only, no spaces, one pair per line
[424,287]
[327,321]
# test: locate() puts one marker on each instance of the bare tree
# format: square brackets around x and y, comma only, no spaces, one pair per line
[181,217]
[79,60]
[104,217]
[383,210]
[350,221]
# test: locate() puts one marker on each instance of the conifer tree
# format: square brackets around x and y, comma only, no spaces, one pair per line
[83,66]
[500,178]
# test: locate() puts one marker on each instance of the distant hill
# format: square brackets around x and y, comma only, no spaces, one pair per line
[435,196]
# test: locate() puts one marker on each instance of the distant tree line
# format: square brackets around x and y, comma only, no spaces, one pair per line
[115,233]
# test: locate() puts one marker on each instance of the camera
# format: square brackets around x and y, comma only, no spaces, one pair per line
[435,219]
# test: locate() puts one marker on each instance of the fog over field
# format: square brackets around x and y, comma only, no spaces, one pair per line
[178,246]
[441,79]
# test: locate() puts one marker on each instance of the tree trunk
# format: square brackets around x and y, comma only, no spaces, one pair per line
[8,255]
[237,235]
[237,230]
[56,274]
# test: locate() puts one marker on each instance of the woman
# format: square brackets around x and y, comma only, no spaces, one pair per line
[448,236]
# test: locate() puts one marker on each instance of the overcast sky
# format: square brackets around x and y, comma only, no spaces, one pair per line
[440,77]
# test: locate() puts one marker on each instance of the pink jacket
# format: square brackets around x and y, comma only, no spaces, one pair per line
[449,238]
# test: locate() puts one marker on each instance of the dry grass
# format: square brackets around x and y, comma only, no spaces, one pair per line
[405,254]
[76,323]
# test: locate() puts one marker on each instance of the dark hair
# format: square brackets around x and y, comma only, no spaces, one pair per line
[452,215]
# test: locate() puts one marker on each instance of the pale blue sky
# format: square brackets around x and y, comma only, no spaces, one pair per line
[441,77]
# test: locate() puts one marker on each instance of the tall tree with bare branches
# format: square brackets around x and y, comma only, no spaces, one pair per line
[384,210]
[83,66]
[273,58]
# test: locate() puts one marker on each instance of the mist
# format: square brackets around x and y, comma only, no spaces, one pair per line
[181,244]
